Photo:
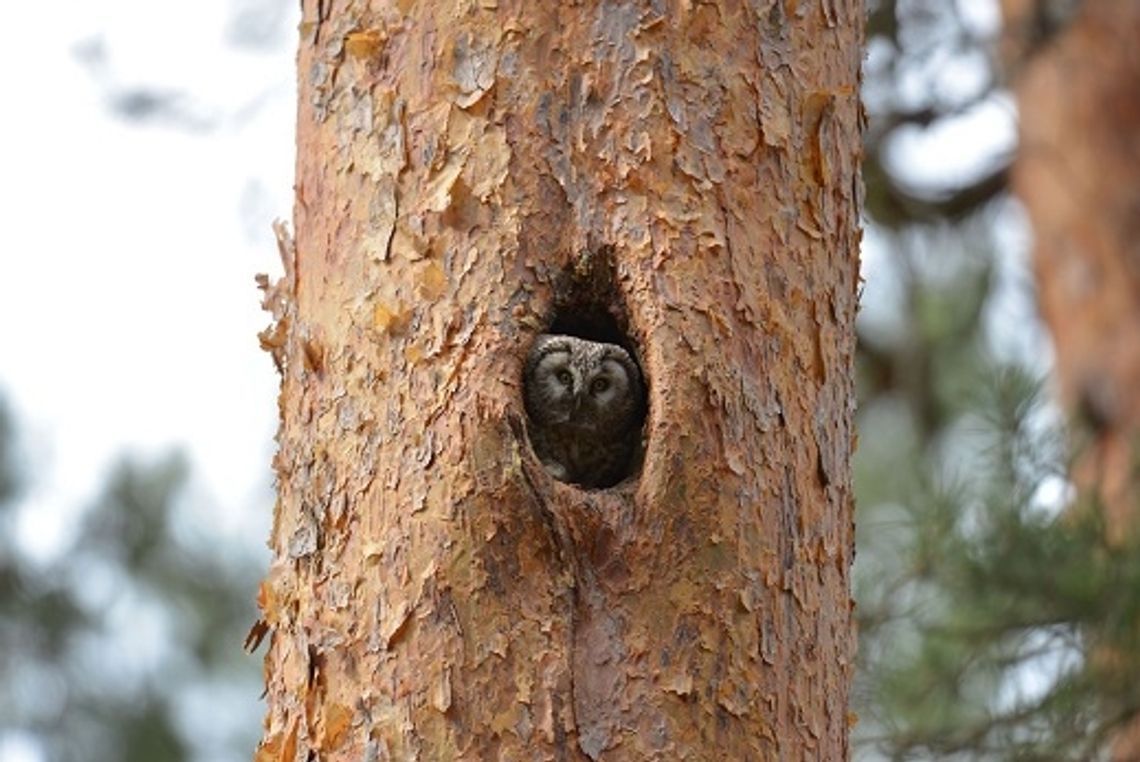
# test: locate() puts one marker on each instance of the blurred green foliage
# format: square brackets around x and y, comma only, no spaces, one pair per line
[996,621]
[127,645]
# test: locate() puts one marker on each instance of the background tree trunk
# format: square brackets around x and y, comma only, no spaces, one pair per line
[1078,174]
[684,175]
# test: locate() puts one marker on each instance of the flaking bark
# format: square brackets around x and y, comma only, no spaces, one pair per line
[466,171]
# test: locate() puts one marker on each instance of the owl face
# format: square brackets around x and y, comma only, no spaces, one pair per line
[582,384]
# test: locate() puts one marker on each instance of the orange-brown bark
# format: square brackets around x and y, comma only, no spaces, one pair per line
[1077,170]
[466,171]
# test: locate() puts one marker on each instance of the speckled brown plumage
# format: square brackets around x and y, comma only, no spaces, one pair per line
[584,400]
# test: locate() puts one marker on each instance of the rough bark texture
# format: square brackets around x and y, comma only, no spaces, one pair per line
[469,172]
[1078,174]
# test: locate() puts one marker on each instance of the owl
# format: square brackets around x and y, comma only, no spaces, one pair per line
[585,400]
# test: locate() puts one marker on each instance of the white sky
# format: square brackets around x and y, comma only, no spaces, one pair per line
[128,310]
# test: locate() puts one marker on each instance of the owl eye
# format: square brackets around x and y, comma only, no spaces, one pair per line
[565,378]
[599,385]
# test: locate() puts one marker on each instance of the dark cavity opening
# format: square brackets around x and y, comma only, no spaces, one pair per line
[585,438]
[588,304]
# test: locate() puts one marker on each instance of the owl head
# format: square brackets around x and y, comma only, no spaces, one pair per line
[582,384]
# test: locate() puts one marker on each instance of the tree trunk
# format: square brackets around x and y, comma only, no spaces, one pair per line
[681,178]
[1078,174]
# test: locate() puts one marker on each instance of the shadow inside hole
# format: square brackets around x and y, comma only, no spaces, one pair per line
[592,323]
